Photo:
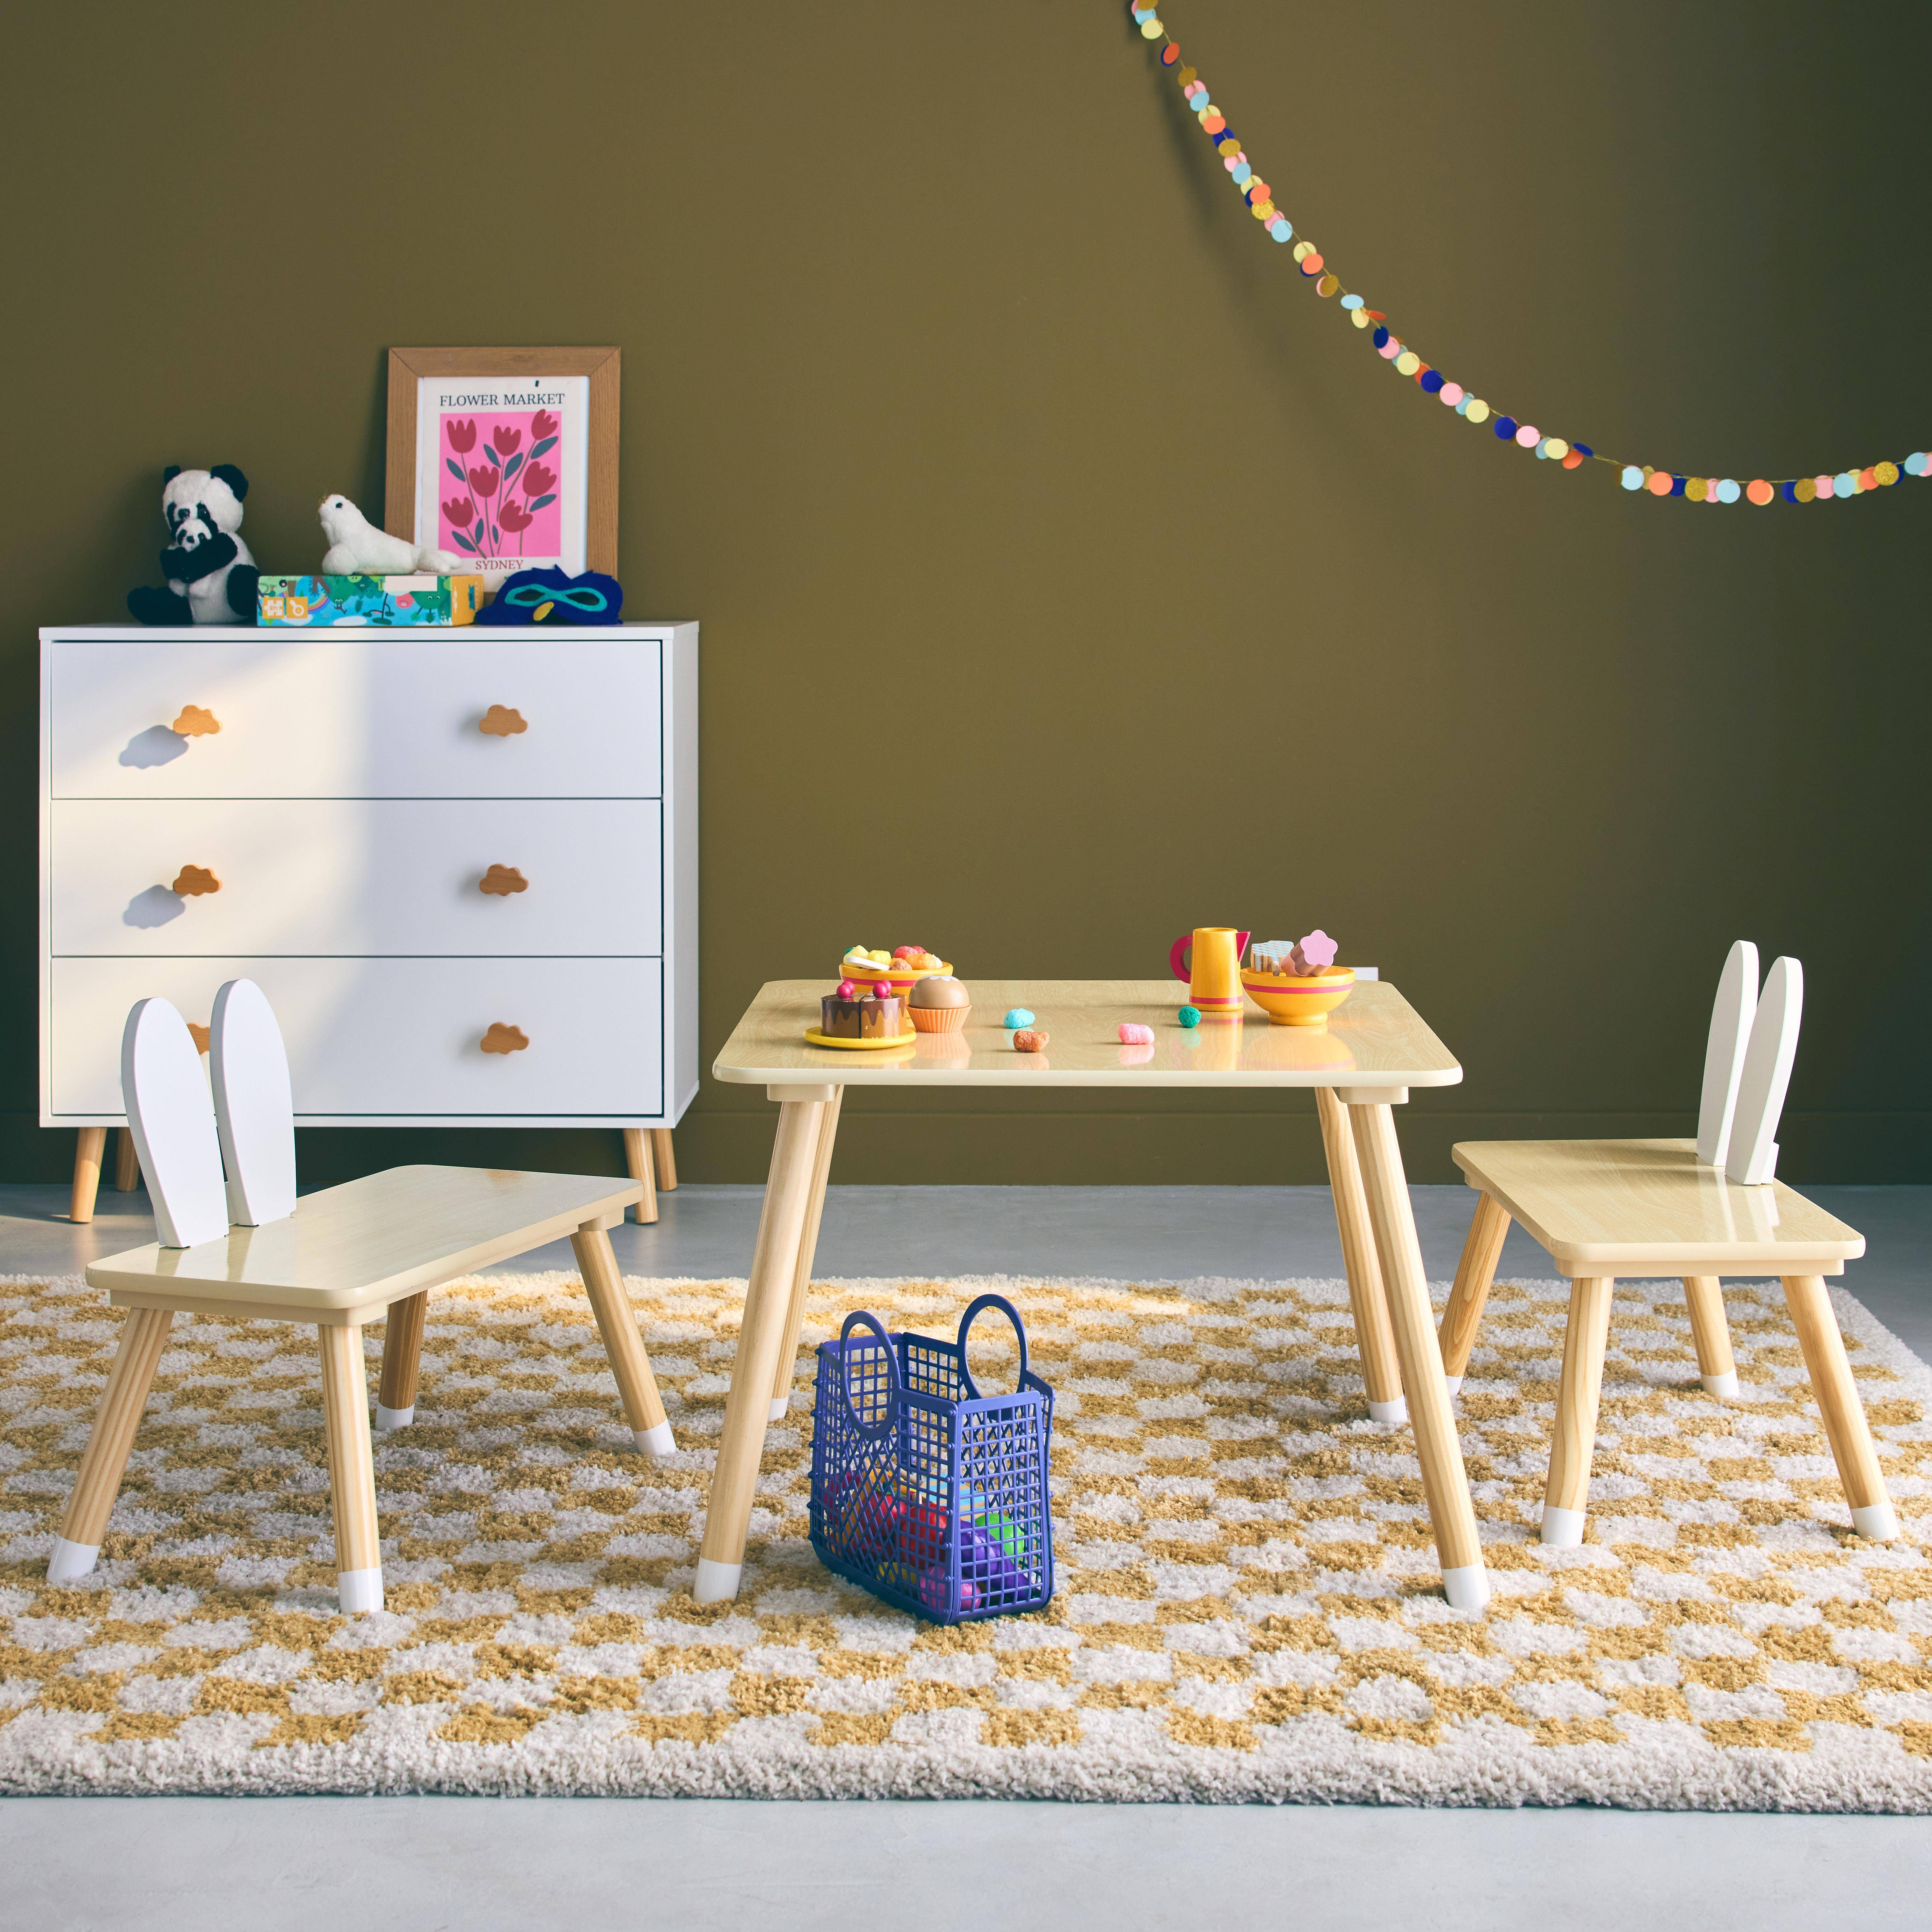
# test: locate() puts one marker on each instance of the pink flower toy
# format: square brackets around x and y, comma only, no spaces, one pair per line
[1312,952]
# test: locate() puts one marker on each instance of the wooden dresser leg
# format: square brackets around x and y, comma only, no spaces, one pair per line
[402,1354]
[808,1249]
[352,1471]
[617,1323]
[1445,1484]
[1474,1273]
[126,1163]
[105,1462]
[1566,1496]
[87,1153]
[637,1159]
[1712,1334]
[1838,1394]
[1375,1339]
[721,1557]
[664,1157]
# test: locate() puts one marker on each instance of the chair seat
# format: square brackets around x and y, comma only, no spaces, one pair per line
[1648,1208]
[348,1252]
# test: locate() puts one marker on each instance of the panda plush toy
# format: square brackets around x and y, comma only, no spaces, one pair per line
[212,577]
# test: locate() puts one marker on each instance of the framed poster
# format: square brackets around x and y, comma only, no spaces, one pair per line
[507,457]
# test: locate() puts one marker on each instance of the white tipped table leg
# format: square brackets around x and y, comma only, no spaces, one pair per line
[352,1471]
[1445,1483]
[70,1560]
[1483,1248]
[1566,1496]
[402,1358]
[1717,1367]
[1375,1337]
[761,1336]
[1467,1589]
[808,1252]
[1453,1384]
[1562,1528]
[618,1325]
[105,1462]
[717,1582]
[1837,1395]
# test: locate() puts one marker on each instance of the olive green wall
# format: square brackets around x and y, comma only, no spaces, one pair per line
[1069,573]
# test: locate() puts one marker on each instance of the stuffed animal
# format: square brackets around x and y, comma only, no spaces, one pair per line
[211,575]
[555,597]
[357,549]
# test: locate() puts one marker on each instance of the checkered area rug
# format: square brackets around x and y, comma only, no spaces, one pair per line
[1247,1603]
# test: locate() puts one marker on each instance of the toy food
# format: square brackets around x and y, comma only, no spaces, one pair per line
[1131,1035]
[867,1016]
[1017,1017]
[1188,1016]
[1312,951]
[939,1003]
[901,967]
[1027,1041]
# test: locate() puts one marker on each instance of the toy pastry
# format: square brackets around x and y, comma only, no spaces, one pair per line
[939,1003]
[861,1014]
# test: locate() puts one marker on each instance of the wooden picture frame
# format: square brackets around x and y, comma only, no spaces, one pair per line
[410,368]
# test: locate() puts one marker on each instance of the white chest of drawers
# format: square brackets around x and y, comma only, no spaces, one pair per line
[351,806]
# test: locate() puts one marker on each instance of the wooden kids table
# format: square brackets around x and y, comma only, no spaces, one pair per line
[1361,1063]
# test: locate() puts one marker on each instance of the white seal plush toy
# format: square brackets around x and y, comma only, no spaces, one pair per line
[357,549]
[211,575]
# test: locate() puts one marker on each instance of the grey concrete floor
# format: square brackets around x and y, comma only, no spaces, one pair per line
[475,1865]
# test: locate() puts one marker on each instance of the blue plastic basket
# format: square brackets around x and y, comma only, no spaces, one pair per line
[929,1494]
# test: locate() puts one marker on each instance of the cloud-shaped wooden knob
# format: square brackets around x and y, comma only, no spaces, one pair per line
[503,1039]
[191,881]
[194,722]
[198,1034]
[500,881]
[501,721]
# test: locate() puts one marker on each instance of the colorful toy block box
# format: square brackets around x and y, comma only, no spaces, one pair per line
[282,601]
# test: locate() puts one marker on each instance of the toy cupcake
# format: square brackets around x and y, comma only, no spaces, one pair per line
[939,1003]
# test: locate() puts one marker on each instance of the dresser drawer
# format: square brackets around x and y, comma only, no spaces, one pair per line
[337,717]
[371,1039]
[358,876]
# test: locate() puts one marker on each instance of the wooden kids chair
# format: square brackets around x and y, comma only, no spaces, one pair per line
[1697,1210]
[368,1250]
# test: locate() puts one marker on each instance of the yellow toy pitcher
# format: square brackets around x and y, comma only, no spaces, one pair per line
[1214,978]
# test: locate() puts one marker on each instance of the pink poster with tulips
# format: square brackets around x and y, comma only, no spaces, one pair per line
[499,495]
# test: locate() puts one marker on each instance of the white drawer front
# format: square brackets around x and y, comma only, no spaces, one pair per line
[350,876]
[391,717]
[374,1038]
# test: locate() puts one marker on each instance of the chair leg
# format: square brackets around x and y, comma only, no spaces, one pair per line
[88,1150]
[637,1159]
[78,1545]
[1474,1273]
[1374,1335]
[1566,1496]
[352,1471]
[126,1162]
[664,1157]
[1837,1395]
[402,1353]
[807,1248]
[618,1325]
[1712,1334]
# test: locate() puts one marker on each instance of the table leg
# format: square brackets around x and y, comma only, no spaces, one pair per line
[1573,1444]
[1465,1582]
[617,1323]
[1716,1366]
[1845,1425]
[352,1472]
[721,1557]
[1474,1273]
[807,1248]
[1375,1339]
[104,1461]
[402,1360]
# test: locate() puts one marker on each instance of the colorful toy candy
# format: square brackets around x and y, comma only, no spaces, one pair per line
[1017,1017]
[1131,1035]
[1027,1041]
[1188,1016]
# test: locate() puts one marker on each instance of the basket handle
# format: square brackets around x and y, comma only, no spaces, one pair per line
[865,1315]
[1012,1314]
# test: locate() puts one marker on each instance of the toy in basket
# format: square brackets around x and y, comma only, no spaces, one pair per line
[931,1495]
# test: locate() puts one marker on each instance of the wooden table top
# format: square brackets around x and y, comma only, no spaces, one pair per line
[1375,1038]
[1644,1207]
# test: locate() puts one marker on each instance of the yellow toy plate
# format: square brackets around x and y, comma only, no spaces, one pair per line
[813,1037]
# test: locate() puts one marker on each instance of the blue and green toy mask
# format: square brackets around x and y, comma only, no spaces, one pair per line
[556,597]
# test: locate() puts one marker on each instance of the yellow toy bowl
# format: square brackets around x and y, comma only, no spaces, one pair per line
[904,978]
[1288,999]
